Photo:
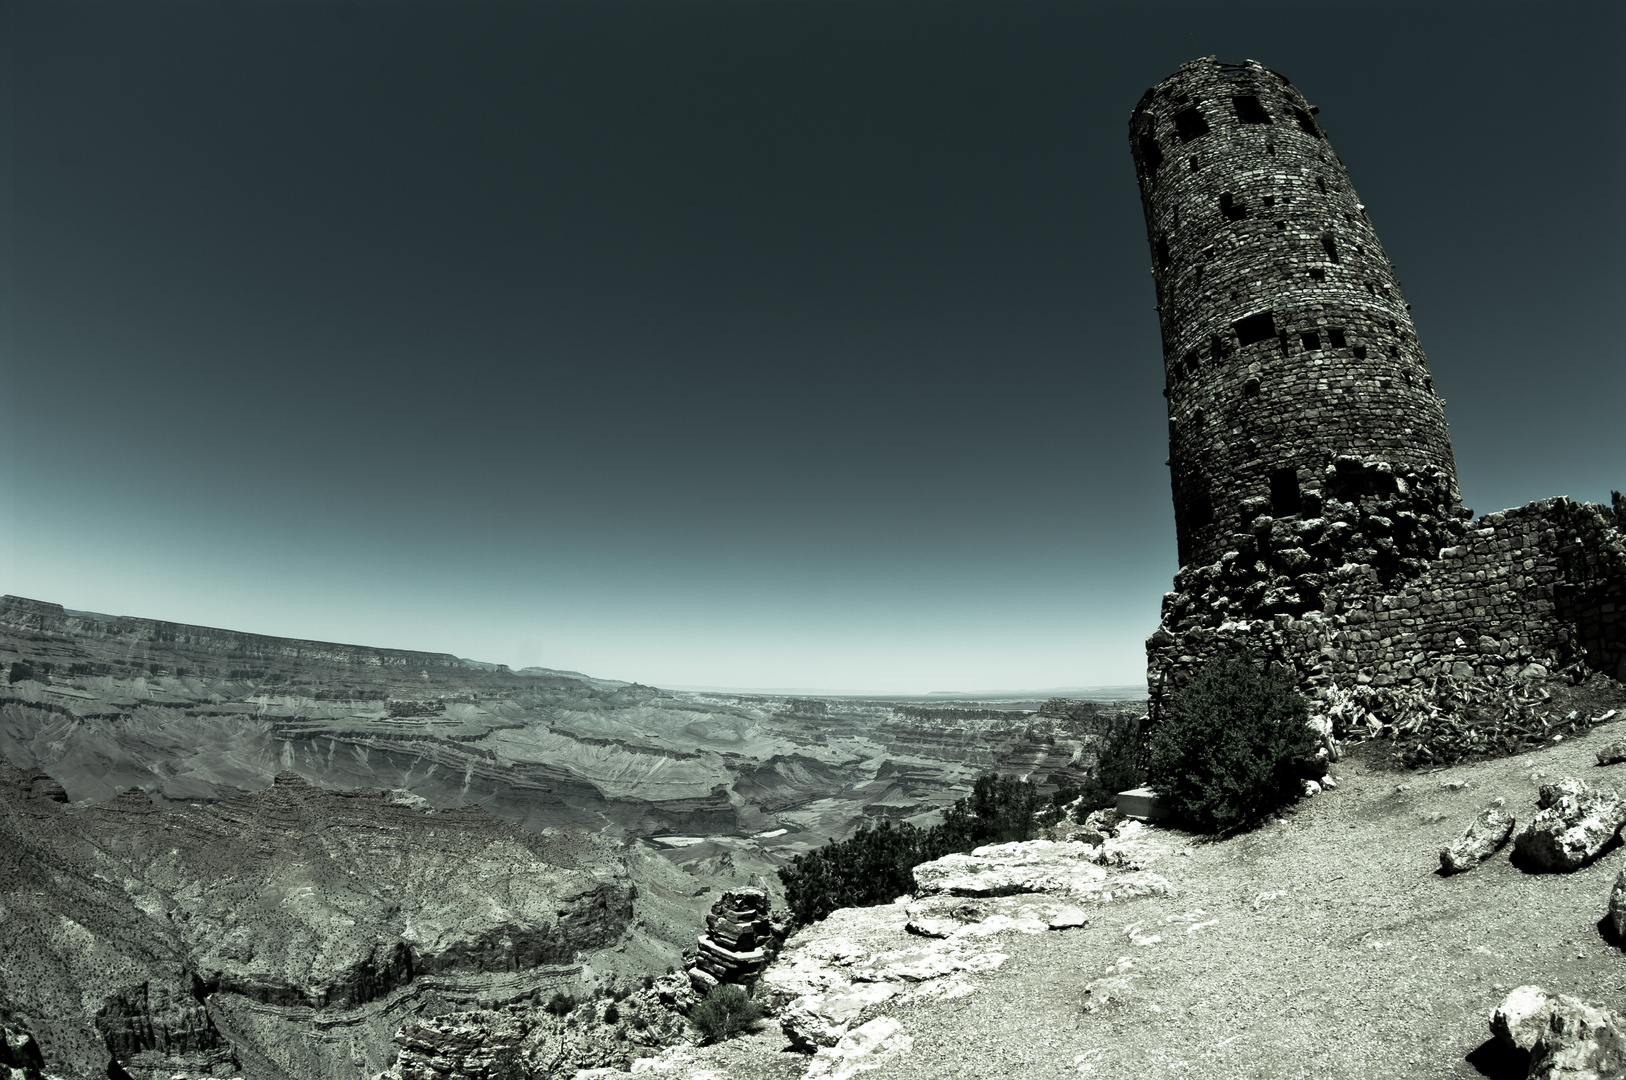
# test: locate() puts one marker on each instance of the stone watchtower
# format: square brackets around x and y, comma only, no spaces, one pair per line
[1286,342]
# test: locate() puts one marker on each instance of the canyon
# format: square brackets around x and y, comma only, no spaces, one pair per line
[232,854]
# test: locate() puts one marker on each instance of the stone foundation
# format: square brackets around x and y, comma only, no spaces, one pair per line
[1384,596]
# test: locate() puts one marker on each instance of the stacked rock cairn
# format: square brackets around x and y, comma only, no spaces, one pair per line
[740,941]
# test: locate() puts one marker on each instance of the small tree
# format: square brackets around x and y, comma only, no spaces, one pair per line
[724,1013]
[1117,769]
[1229,748]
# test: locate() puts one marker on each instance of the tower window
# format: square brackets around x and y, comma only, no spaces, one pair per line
[1190,360]
[1250,388]
[1310,340]
[1231,209]
[1336,337]
[1249,111]
[1285,498]
[1270,200]
[1330,246]
[1306,122]
[1193,163]
[1360,352]
[1217,344]
[1322,184]
[1260,327]
[1151,155]
[1163,253]
[1189,124]
[1318,275]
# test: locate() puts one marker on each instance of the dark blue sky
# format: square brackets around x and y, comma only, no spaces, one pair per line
[751,344]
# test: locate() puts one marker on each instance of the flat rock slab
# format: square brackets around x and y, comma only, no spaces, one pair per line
[1065,870]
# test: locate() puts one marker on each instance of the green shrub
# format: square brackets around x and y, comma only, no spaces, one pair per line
[724,1013]
[1230,746]
[560,1004]
[873,865]
[612,1014]
[1117,769]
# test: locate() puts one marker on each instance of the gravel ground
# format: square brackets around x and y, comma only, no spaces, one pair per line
[1322,946]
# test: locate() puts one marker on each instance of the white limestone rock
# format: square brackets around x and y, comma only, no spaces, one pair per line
[1580,1042]
[866,1047]
[1567,1038]
[1032,866]
[1617,907]
[822,1019]
[1574,825]
[1483,837]
[1521,1017]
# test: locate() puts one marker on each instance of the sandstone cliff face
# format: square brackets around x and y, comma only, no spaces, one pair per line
[193,714]
[287,933]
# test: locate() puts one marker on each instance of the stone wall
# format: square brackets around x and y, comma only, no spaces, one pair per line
[1286,341]
[1393,586]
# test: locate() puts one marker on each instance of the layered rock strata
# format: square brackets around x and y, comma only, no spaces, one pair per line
[286,934]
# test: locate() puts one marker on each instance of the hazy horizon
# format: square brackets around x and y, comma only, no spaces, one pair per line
[719,344]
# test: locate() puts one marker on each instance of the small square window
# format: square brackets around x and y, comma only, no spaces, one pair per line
[1336,337]
[1318,274]
[1260,327]
[1310,340]
[1189,124]
[1249,111]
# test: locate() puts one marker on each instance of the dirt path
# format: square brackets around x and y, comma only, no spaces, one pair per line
[1359,961]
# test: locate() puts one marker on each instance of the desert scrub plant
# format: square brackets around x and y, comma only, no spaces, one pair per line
[873,866]
[1230,747]
[1117,769]
[724,1013]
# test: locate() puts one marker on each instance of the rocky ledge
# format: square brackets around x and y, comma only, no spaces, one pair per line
[832,986]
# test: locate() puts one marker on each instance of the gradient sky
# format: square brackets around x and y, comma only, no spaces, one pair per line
[757,344]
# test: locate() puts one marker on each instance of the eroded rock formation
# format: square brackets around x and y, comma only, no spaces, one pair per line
[287,933]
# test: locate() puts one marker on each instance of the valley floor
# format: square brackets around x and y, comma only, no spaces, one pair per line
[1323,946]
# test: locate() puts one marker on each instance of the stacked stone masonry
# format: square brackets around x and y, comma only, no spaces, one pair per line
[1541,584]
[740,941]
[1286,341]
[1316,500]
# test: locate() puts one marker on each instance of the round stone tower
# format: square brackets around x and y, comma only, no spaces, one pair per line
[1286,342]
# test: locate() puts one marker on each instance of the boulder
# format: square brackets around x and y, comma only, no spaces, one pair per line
[1521,1017]
[1566,1038]
[1483,837]
[1105,822]
[1581,1042]
[1069,917]
[1574,825]
[860,1050]
[1617,907]
[823,1019]
[1613,754]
